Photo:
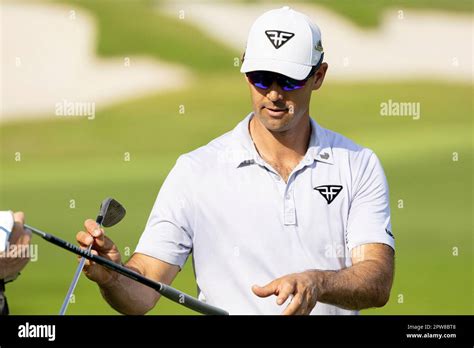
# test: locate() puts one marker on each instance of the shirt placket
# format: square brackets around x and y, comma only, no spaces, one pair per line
[289,211]
[287,189]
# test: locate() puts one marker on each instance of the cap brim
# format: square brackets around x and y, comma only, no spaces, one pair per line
[293,70]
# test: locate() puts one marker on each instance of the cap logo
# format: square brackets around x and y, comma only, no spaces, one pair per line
[278,38]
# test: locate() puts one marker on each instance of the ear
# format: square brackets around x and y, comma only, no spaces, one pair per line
[319,76]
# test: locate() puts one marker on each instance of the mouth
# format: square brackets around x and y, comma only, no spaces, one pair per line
[276,112]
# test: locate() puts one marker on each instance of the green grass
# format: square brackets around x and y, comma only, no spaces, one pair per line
[64,159]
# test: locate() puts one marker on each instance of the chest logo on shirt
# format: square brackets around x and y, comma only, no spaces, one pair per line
[329,192]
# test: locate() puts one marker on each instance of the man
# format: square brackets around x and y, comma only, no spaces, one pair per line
[279,201]
[14,239]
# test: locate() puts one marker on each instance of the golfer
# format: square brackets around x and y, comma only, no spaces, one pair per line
[281,215]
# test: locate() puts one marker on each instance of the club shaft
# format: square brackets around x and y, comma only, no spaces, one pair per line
[165,290]
[74,282]
[77,274]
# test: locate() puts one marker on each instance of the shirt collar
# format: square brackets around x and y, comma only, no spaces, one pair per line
[319,148]
[244,151]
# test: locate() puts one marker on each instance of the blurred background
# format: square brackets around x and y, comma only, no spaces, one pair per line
[99,98]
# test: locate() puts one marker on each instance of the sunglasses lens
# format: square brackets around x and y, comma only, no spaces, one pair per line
[289,84]
[262,85]
[264,80]
[260,79]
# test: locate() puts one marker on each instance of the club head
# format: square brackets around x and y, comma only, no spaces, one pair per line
[111,212]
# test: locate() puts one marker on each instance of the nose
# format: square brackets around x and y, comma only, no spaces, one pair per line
[274,92]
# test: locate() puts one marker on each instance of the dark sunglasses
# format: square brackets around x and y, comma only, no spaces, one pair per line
[264,79]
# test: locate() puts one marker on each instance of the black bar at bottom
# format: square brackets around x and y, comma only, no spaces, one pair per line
[104,330]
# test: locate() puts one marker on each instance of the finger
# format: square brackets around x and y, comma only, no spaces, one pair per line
[19,217]
[105,245]
[84,238]
[267,290]
[304,308]
[25,238]
[20,236]
[94,270]
[93,228]
[27,232]
[294,305]
[286,289]
[99,235]
[93,252]
[18,230]
[88,262]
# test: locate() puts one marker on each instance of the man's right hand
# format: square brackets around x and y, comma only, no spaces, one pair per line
[124,294]
[102,246]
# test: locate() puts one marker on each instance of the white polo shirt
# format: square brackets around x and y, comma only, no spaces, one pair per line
[244,225]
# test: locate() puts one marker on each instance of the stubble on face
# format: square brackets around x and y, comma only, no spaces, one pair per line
[280,116]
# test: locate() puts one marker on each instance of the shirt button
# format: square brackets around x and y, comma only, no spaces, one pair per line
[287,196]
[277,177]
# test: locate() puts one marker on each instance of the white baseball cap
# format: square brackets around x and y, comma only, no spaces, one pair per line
[283,41]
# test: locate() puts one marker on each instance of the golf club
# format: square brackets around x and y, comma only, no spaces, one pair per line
[111,213]
[165,290]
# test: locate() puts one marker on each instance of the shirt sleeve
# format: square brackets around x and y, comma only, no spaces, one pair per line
[369,213]
[168,234]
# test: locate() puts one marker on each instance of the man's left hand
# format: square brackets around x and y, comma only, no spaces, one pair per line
[301,287]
